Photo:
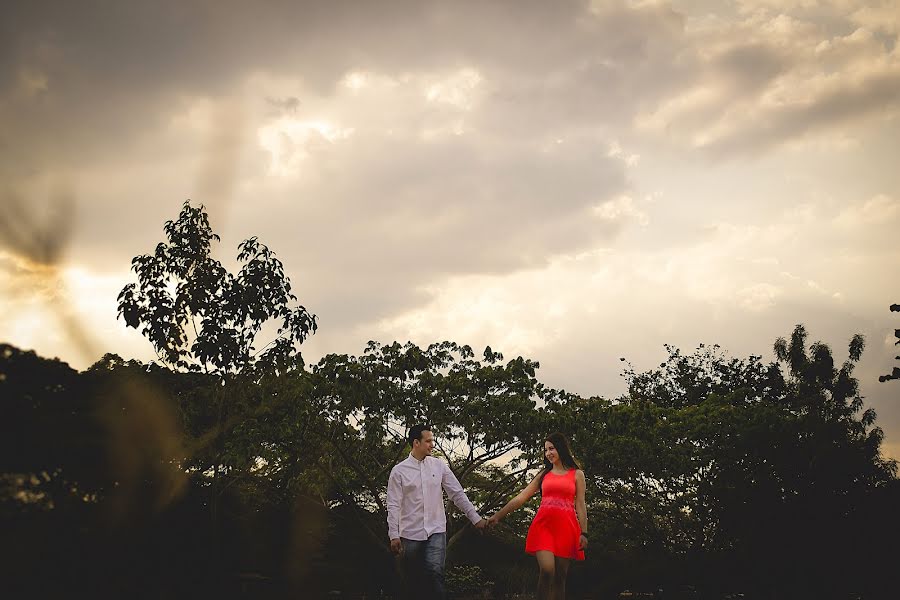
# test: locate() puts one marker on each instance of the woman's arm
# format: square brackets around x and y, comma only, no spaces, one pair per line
[580,509]
[520,499]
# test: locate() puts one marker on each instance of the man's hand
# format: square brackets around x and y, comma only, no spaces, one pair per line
[396,546]
[481,525]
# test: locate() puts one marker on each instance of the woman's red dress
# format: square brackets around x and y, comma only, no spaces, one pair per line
[555,526]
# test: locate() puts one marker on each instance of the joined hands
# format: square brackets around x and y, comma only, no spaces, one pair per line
[487,524]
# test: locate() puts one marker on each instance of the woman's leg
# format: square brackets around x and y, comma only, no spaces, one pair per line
[546,570]
[559,578]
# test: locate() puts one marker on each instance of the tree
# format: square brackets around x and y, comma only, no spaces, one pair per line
[686,379]
[91,473]
[199,317]
[732,469]
[46,415]
[834,463]
[825,395]
[482,411]
[895,372]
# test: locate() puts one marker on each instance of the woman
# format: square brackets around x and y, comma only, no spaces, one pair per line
[558,532]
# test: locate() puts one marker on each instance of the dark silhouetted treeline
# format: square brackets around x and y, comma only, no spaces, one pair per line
[712,475]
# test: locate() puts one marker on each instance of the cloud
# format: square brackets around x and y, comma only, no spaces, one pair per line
[621,208]
[880,210]
[878,16]
[71,74]
[403,95]
[771,77]
[759,297]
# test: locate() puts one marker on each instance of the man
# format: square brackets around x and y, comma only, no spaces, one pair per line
[417,525]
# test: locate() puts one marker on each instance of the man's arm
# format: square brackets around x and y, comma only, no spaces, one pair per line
[394,494]
[458,496]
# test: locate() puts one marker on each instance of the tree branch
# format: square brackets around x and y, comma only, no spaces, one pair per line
[369,483]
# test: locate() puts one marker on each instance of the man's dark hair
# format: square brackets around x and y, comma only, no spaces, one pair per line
[415,433]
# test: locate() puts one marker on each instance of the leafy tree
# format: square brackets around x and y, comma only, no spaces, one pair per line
[828,400]
[895,372]
[201,318]
[652,456]
[46,415]
[832,463]
[198,316]
[687,379]
[732,469]
[91,463]
[482,411]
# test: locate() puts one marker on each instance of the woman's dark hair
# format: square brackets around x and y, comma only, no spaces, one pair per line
[561,444]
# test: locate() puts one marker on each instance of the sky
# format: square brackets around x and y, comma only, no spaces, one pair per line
[570,181]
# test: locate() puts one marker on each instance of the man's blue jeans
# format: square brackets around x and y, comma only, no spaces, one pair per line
[422,564]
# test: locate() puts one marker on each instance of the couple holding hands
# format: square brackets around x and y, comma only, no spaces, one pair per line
[417,525]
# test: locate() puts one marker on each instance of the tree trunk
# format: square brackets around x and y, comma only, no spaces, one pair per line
[216,551]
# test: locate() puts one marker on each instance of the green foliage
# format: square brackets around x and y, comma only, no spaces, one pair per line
[199,316]
[717,457]
[712,470]
[895,372]
[467,580]
[481,411]
[44,406]
[246,413]
[687,379]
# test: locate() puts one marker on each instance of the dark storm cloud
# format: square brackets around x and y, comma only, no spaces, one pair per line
[113,71]
[92,88]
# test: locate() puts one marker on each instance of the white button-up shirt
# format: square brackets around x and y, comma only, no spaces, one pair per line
[415,502]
